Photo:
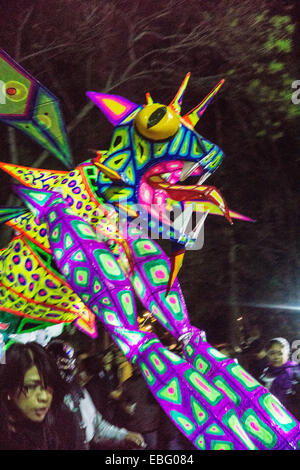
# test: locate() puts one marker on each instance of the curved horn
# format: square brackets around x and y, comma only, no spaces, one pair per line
[115,107]
[177,101]
[193,116]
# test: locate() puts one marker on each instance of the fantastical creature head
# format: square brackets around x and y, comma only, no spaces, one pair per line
[156,163]
[156,157]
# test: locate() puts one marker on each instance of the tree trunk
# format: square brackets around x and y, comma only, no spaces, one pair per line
[233,297]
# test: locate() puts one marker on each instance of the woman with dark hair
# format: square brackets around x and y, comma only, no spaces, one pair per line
[32,411]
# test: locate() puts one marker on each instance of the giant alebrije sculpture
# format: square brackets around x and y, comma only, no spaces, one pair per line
[72,261]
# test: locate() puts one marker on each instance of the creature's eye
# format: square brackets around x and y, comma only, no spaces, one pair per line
[157,122]
[16,91]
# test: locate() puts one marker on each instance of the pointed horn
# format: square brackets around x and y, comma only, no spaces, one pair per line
[149,98]
[127,209]
[195,114]
[176,263]
[116,108]
[129,255]
[37,200]
[87,325]
[193,235]
[8,213]
[112,174]
[177,101]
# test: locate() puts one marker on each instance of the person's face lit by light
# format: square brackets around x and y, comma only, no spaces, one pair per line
[278,355]
[33,400]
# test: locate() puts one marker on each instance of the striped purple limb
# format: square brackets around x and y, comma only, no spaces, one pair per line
[86,263]
[150,280]
[265,419]
[201,411]
[268,423]
[97,279]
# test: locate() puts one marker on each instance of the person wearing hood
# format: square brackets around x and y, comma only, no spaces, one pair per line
[282,376]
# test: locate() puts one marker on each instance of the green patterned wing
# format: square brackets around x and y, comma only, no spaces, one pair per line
[27,105]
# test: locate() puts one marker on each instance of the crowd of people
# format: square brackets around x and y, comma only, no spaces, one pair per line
[43,407]
[268,361]
[55,397]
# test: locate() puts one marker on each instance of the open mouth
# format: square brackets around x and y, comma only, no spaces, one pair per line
[41,412]
[179,181]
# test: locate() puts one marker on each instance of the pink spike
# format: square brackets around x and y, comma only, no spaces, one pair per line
[193,116]
[116,108]
[148,98]
[177,101]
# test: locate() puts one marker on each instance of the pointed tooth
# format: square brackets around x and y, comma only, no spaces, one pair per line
[181,222]
[187,169]
[203,178]
[176,263]
[194,233]
[166,176]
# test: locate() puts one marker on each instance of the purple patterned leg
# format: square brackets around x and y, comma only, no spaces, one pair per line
[262,415]
[268,423]
[87,264]
[205,414]
[150,279]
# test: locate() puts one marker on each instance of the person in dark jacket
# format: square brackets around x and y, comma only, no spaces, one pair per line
[138,409]
[256,358]
[98,432]
[282,376]
[92,375]
[32,412]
